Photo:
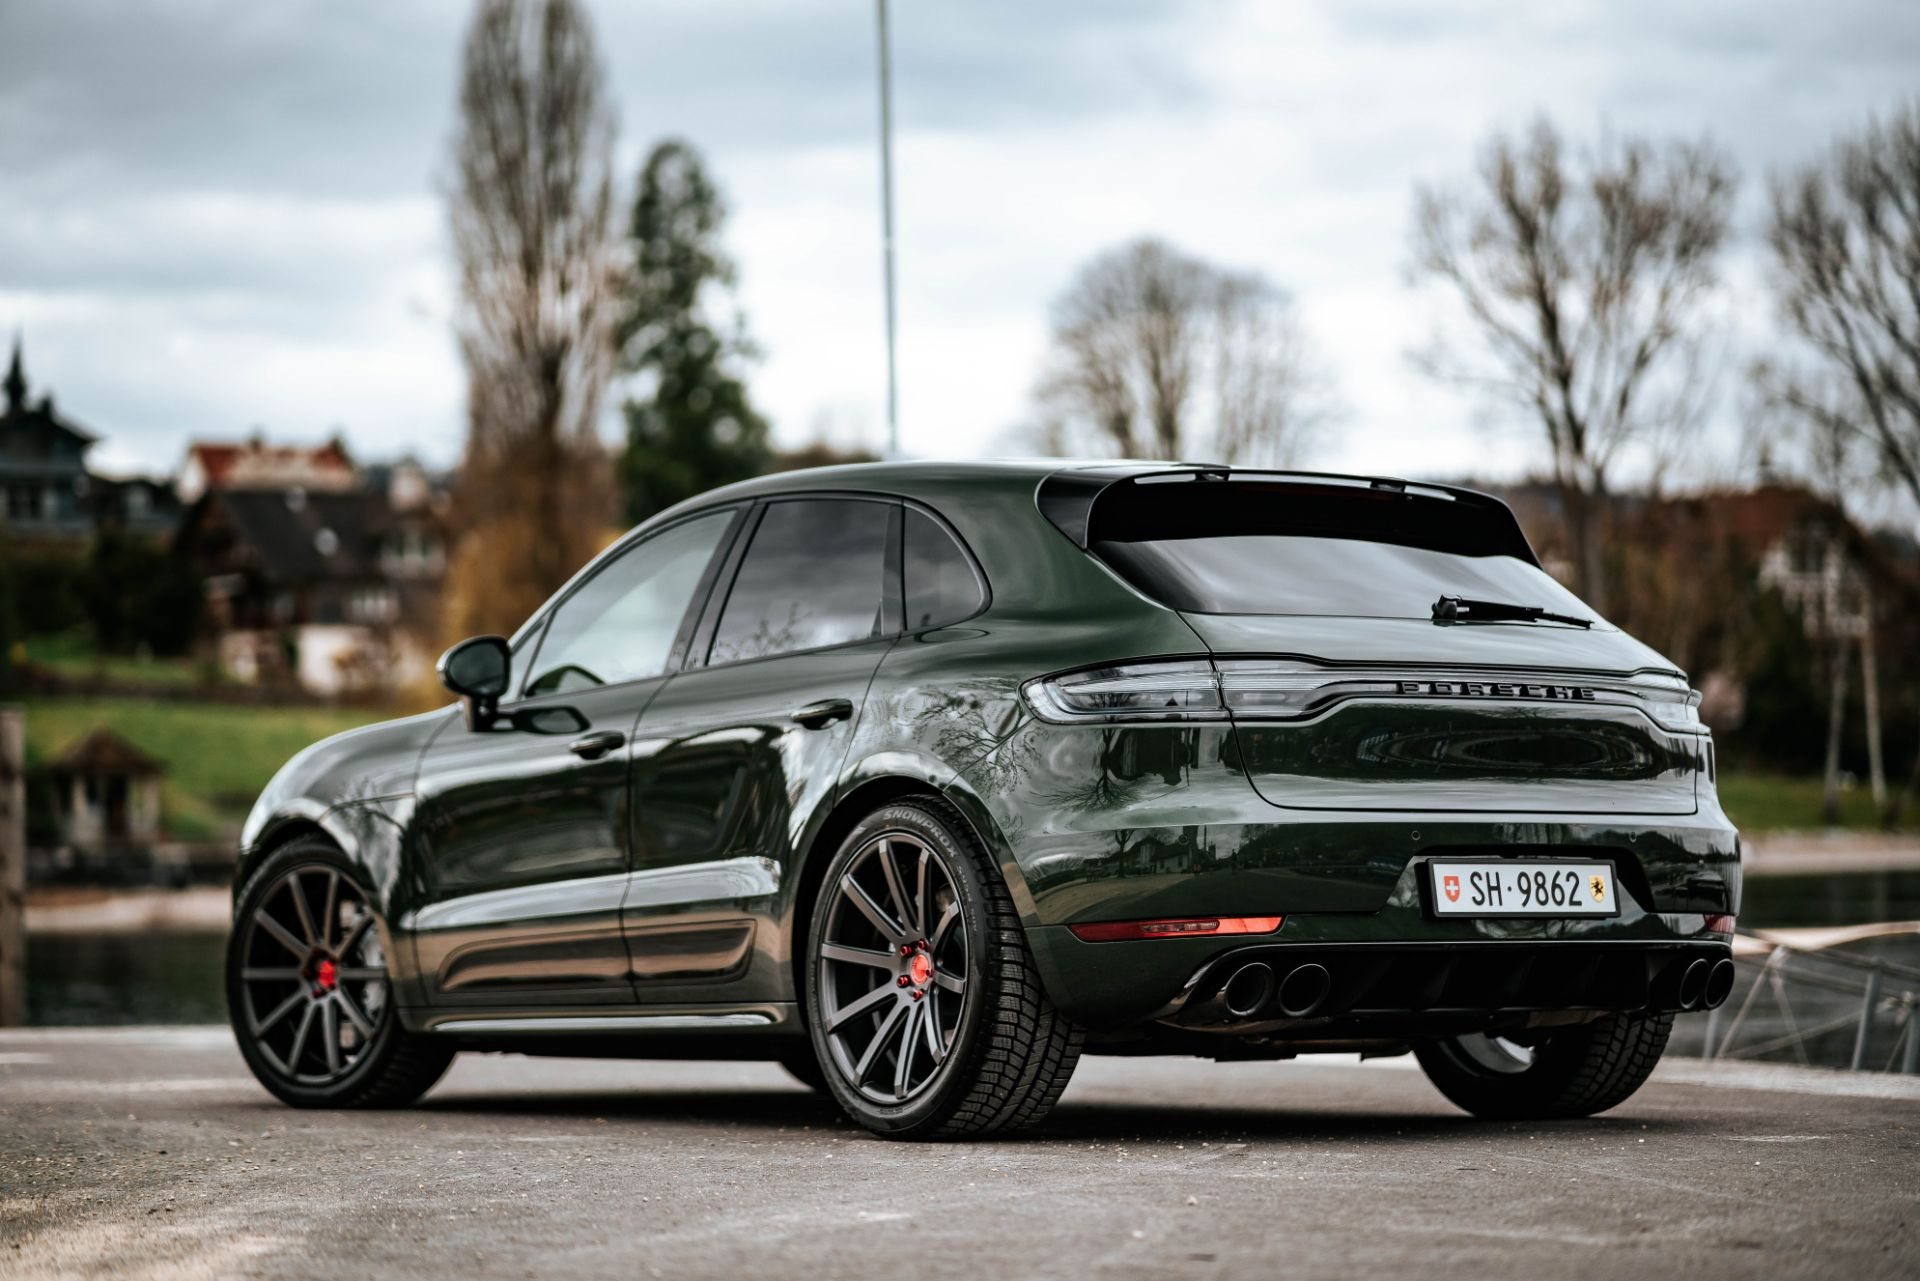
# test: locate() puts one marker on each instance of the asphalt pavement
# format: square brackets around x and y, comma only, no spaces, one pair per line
[149,1153]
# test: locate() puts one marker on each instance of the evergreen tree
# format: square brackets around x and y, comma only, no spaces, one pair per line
[690,425]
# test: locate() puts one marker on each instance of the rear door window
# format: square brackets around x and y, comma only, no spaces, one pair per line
[942,586]
[1252,546]
[814,575]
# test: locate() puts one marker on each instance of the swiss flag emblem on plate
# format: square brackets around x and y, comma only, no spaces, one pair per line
[1450,886]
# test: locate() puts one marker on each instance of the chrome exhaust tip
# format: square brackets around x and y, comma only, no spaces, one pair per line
[1693,984]
[1719,984]
[1250,988]
[1304,990]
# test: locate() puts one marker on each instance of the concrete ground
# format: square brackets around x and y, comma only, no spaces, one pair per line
[149,1153]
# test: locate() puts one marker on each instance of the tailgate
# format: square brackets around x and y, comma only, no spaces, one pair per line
[1387,714]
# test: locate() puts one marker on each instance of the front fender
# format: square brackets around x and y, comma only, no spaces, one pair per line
[371,836]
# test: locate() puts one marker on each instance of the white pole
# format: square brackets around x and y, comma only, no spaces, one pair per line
[886,222]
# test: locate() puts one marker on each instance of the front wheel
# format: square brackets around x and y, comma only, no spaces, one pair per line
[1568,1072]
[925,1009]
[308,992]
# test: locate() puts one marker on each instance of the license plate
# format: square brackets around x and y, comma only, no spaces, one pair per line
[1523,889]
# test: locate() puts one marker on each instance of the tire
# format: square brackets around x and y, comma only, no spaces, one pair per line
[308,993]
[1572,1072]
[936,967]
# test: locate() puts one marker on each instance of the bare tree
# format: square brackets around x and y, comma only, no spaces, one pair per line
[1581,279]
[1845,234]
[1158,354]
[532,233]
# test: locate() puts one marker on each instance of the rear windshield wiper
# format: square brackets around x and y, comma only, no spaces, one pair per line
[1464,609]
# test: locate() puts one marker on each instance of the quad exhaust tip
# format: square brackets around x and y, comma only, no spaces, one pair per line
[1719,984]
[1693,984]
[1250,988]
[1298,995]
[1304,990]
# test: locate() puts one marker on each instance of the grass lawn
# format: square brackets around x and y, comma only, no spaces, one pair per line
[1759,802]
[218,755]
[73,656]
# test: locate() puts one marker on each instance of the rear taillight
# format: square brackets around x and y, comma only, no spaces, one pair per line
[1175,927]
[1289,689]
[1677,710]
[1719,923]
[1195,690]
[1277,689]
[1174,690]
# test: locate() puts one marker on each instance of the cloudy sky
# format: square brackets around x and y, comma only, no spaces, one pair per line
[217,215]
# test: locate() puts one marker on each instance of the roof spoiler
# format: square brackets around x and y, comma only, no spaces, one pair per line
[1066,497]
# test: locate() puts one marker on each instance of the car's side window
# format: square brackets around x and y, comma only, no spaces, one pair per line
[942,585]
[814,575]
[620,625]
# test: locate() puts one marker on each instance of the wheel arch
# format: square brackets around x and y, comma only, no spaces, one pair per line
[336,825]
[868,791]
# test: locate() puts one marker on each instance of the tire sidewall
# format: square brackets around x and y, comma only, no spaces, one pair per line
[1544,1091]
[932,1105]
[303,852]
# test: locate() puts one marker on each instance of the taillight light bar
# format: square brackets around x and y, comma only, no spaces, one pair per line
[1175,927]
[1289,689]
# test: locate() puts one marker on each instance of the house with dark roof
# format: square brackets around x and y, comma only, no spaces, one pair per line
[45,491]
[107,793]
[330,590]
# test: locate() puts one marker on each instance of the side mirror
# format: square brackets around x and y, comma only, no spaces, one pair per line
[478,671]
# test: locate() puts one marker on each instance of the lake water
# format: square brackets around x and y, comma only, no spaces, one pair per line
[152,976]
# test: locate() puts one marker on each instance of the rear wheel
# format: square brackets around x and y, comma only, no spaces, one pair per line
[308,991]
[925,1009]
[1569,1072]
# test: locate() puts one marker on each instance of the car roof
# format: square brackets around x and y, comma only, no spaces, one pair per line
[908,475]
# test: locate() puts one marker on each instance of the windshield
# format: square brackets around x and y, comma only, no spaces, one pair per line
[1267,547]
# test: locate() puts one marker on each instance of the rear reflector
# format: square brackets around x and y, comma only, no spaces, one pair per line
[1719,925]
[1175,927]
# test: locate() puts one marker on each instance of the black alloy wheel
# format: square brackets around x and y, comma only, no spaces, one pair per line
[308,990]
[923,1003]
[893,966]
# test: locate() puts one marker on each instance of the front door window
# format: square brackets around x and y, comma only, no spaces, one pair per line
[621,624]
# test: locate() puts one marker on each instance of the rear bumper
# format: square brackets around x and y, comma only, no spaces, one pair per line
[1375,983]
[1127,824]
[1379,987]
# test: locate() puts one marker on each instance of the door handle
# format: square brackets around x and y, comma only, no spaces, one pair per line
[594,746]
[823,713]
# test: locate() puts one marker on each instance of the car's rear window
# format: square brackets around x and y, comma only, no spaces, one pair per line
[1253,546]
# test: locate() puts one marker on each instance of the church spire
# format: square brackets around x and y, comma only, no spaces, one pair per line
[16,379]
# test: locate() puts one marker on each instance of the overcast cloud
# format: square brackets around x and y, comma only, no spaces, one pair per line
[217,215]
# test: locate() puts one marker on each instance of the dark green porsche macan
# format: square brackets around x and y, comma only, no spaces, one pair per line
[926,779]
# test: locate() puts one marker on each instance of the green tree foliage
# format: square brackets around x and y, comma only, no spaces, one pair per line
[1784,727]
[690,425]
[137,595]
[9,615]
[44,586]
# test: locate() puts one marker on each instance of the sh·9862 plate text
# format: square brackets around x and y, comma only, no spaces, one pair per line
[1523,889]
